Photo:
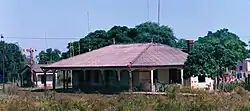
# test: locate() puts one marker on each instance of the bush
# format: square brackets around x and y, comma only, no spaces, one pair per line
[229,87]
[171,102]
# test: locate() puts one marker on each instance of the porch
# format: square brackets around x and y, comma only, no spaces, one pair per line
[122,80]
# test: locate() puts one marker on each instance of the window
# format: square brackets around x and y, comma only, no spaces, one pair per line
[240,68]
[201,79]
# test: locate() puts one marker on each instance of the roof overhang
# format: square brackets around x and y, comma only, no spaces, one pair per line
[111,67]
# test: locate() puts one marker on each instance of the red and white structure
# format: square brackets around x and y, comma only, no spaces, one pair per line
[31,61]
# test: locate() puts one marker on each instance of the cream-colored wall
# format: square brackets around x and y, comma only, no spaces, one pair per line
[163,75]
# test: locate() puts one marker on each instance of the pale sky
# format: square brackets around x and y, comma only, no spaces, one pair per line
[68,18]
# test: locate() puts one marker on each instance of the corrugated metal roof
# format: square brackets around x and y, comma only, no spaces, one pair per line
[37,67]
[140,54]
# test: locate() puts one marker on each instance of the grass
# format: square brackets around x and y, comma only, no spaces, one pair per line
[173,101]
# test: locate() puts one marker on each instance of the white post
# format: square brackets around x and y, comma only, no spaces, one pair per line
[103,77]
[118,75]
[152,81]
[182,80]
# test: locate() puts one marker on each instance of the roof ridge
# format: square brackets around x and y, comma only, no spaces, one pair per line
[138,56]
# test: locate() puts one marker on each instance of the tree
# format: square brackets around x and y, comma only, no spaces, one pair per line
[49,56]
[215,52]
[145,32]
[14,60]
[121,34]
[181,43]
[150,31]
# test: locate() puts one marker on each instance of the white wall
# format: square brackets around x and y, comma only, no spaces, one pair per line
[196,84]
[49,83]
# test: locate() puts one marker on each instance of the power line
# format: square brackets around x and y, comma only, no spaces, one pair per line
[39,38]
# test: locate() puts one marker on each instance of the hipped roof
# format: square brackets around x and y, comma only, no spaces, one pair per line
[121,55]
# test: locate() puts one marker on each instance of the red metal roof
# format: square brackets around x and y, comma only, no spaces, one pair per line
[147,54]
[37,67]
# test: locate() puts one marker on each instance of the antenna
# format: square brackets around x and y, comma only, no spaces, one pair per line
[159,9]
[148,10]
[88,21]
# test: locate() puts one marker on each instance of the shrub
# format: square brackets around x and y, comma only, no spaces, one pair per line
[173,102]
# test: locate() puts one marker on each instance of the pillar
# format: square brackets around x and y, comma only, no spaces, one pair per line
[182,79]
[152,80]
[103,77]
[67,78]
[54,79]
[130,81]
[45,79]
[64,79]
[118,72]
[118,75]
[36,80]
[84,78]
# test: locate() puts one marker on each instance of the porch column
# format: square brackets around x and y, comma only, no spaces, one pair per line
[182,80]
[130,81]
[54,79]
[45,79]
[67,77]
[103,77]
[152,81]
[118,75]
[64,79]
[118,79]
[84,77]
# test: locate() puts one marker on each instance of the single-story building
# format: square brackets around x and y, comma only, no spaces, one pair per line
[120,67]
[35,76]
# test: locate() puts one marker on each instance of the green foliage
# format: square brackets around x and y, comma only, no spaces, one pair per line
[182,44]
[50,55]
[214,53]
[149,31]
[82,102]
[145,32]
[229,87]
[14,59]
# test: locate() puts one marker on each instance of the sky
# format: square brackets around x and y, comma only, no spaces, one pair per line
[68,18]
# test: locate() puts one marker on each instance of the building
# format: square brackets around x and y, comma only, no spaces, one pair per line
[124,67]
[242,70]
[38,75]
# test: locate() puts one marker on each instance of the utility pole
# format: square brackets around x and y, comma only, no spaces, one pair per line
[31,62]
[159,11]
[148,10]
[3,59]
[79,47]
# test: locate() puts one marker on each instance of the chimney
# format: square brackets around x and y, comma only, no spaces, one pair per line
[190,44]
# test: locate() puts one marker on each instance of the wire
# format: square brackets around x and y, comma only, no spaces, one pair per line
[66,38]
